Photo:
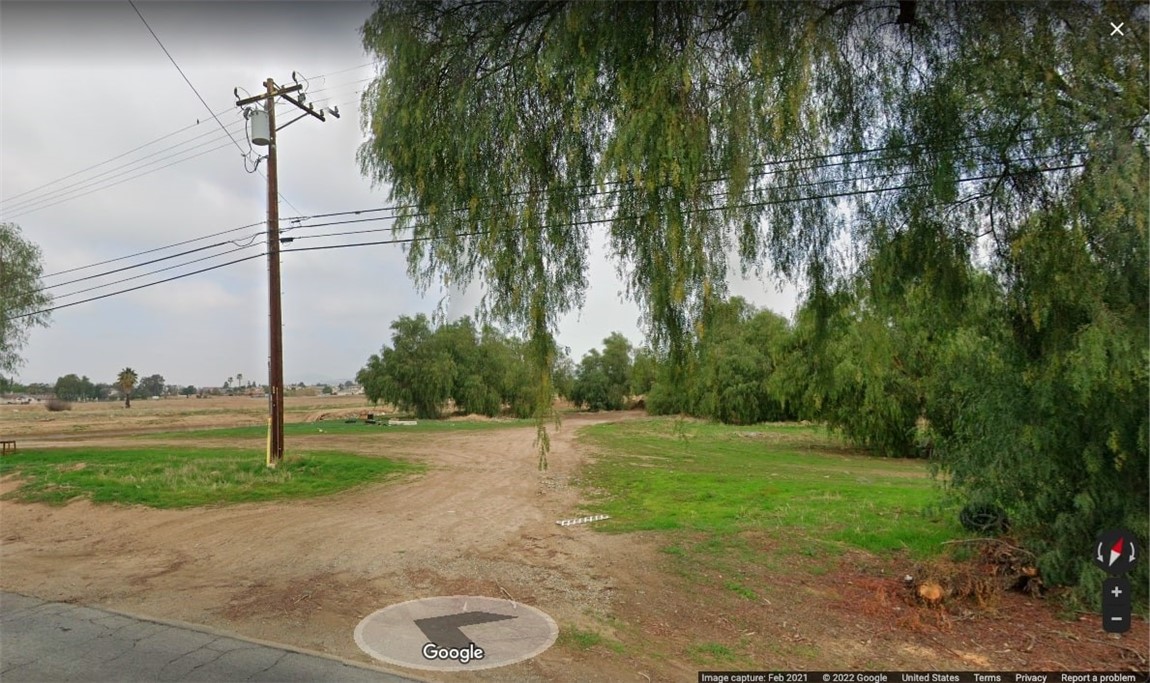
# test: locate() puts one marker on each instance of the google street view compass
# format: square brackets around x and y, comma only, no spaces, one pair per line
[456,633]
[1115,552]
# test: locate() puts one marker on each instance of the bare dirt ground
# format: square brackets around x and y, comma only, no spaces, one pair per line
[481,521]
[103,419]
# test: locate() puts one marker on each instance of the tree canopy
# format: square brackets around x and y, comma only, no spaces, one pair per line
[21,294]
[480,371]
[693,128]
[603,379]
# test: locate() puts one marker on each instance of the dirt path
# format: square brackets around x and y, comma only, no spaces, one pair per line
[481,521]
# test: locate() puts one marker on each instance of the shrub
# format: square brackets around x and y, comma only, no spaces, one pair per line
[56,405]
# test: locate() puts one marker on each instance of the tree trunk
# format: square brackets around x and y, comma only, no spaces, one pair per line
[127,400]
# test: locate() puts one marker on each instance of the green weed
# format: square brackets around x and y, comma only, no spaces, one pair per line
[186,477]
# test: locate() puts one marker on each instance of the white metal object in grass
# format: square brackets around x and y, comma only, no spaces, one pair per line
[582,520]
[402,423]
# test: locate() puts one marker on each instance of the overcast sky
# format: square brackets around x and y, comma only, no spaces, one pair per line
[84,84]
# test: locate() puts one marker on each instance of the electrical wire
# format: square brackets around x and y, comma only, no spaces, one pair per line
[202,101]
[30,204]
[103,184]
[526,228]
[312,225]
[339,86]
[185,76]
[68,192]
[100,182]
[596,193]
[152,272]
[299,220]
[341,71]
[166,136]
[120,182]
[138,287]
[137,265]
[152,251]
[708,209]
[106,161]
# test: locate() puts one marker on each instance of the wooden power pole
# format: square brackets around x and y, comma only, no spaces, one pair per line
[276,329]
[275,311]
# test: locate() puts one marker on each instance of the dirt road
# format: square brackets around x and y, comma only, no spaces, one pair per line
[480,521]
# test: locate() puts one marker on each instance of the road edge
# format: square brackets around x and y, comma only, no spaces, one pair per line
[221,633]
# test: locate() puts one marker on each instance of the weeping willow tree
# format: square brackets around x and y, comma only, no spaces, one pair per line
[807,138]
[511,129]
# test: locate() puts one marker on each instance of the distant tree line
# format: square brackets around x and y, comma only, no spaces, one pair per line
[73,387]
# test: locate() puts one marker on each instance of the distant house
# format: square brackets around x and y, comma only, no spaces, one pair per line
[20,399]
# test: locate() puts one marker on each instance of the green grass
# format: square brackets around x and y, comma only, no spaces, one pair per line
[186,477]
[741,590]
[579,638]
[711,653]
[575,637]
[339,427]
[662,474]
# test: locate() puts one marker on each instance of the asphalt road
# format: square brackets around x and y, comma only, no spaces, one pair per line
[51,641]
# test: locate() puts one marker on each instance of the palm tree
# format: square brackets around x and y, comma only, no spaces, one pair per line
[127,381]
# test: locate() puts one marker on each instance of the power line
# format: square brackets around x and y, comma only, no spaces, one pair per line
[341,71]
[181,276]
[120,182]
[146,284]
[152,251]
[396,208]
[777,162]
[185,77]
[153,272]
[106,161]
[202,101]
[137,265]
[198,96]
[96,186]
[338,86]
[62,194]
[598,193]
[593,221]
[312,225]
[99,182]
[590,221]
[162,138]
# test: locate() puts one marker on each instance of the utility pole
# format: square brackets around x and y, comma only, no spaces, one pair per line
[264,134]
